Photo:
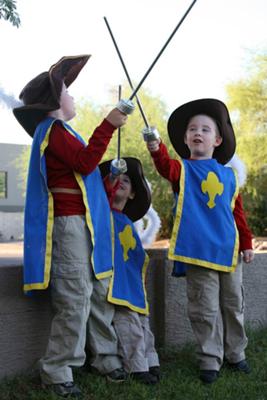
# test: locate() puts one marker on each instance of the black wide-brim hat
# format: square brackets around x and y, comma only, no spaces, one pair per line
[42,94]
[213,108]
[137,207]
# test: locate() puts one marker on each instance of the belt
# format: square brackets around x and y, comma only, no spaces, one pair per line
[65,190]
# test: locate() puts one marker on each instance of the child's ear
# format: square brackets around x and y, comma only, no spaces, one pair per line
[218,141]
[185,139]
[132,196]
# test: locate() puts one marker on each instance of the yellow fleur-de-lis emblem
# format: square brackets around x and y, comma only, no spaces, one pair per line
[127,241]
[213,187]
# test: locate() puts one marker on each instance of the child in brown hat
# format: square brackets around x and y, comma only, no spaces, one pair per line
[67,238]
[130,198]
[210,230]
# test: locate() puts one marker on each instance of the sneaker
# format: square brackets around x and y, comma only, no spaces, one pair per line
[209,375]
[117,375]
[241,366]
[66,389]
[144,377]
[155,371]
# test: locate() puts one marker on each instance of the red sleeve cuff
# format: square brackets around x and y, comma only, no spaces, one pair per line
[109,128]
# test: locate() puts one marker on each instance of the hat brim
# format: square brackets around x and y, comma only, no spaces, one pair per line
[136,208]
[30,116]
[213,108]
[65,70]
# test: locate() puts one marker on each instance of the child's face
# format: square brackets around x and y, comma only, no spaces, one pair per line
[125,190]
[67,104]
[202,136]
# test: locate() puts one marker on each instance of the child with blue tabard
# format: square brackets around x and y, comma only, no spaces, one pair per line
[67,235]
[210,230]
[130,198]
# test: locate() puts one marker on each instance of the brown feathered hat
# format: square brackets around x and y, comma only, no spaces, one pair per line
[137,207]
[42,94]
[213,108]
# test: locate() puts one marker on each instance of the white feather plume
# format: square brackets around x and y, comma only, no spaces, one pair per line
[237,164]
[148,232]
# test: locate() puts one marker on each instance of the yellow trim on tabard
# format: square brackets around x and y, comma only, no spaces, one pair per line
[112,237]
[87,214]
[236,248]
[125,302]
[179,208]
[206,264]
[49,230]
[195,261]
[144,269]
[104,275]
[88,218]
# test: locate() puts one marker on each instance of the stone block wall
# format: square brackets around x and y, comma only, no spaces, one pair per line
[25,321]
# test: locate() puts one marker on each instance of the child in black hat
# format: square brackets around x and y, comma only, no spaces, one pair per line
[210,230]
[67,218]
[130,198]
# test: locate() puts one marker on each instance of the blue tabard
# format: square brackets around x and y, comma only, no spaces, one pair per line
[39,215]
[127,286]
[204,232]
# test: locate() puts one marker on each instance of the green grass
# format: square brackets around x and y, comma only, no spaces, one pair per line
[179,380]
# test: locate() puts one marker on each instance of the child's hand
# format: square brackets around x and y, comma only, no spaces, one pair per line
[116,118]
[153,145]
[248,255]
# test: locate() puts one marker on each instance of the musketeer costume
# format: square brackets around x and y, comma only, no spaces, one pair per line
[39,215]
[205,209]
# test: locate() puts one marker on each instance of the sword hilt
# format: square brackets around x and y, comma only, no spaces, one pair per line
[150,133]
[125,106]
[118,167]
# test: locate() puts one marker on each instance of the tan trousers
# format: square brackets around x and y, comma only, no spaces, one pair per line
[72,284]
[216,312]
[136,341]
[102,341]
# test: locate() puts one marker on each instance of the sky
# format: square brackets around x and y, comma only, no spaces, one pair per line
[210,49]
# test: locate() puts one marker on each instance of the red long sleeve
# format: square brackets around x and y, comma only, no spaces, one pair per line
[65,155]
[168,168]
[245,236]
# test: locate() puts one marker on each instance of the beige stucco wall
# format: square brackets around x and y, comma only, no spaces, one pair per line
[25,322]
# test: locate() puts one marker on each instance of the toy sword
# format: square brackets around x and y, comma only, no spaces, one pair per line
[118,166]
[149,132]
[127,106]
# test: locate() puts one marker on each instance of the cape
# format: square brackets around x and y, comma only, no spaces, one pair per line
[127,285]
[39,215]
[204,232]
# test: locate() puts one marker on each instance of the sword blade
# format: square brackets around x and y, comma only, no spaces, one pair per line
[126,71]
[161,51]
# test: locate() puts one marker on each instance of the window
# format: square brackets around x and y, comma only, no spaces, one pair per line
[3,185]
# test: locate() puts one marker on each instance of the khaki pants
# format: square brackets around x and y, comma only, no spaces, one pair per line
[102,341]
[72,283]
[216,312]
[136,341]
